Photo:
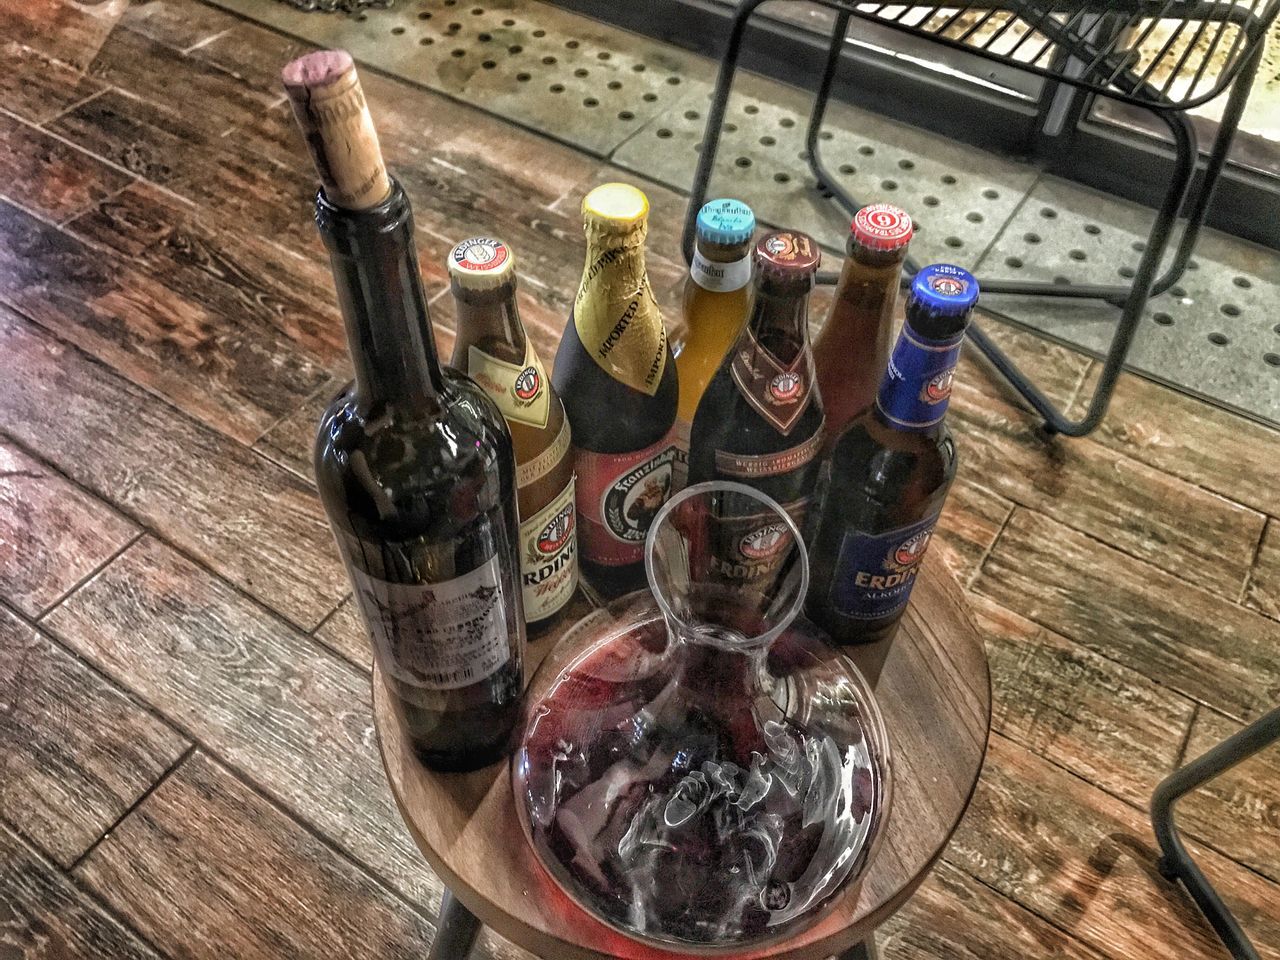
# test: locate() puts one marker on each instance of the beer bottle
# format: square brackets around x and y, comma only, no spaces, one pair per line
[413,461]
[760,420]
[885,480]
[850,353]
[616,376]
[717,298]
[492,348]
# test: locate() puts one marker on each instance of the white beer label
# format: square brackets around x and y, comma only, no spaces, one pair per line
[520,390]
[439,636]
[549,557]
[720,277]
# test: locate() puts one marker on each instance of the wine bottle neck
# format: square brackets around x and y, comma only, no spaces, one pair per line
[375,268]
[916,387]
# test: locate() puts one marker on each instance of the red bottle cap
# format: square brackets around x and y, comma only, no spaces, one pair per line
[882,226]
[788,255]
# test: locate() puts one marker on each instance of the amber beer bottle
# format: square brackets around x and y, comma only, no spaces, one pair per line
[413,461]
[493,349]
[717,299]
[852,349]
[760,421]
[616,376]
[887,476]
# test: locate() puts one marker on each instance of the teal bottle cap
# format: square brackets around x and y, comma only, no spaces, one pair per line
[726,222]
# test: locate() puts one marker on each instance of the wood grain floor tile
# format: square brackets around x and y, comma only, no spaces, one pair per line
[1263,592]
[1175,525]
[44,917]
[231,369]
[253,522]
[52,534]
[177,24]
[76,751]
[970,522]
[36,88]
[956,917]
[1185,437]
[1239,812]
[62,29]
[291,442]
[288,714]
[48,176]
[1104,722]
[345,633]
[1177,634]
[204,848]
[1056,370]
[1085,862]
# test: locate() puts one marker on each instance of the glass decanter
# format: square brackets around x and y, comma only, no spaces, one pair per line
[699,769]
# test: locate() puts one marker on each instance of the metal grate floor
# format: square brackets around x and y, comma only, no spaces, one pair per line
[641,105]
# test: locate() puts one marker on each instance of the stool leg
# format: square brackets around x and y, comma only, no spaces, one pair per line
[456,931]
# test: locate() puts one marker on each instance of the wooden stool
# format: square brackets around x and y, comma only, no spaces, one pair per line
[935,691]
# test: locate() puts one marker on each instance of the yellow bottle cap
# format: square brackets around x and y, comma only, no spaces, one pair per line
[481,263]
[619,206]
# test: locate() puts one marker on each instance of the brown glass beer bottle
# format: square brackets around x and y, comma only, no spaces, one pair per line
[850,352]
[493,349]
[616,376]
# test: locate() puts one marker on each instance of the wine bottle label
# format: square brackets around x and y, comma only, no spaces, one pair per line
[779,392]
[720,277]
[680,434]
[618,495]
[520,390]
[531,471]
[618,320]
[874,574]
[439,636]
[917,385]
[753,466]
[549,556]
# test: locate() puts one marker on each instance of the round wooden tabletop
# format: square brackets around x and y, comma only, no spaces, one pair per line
[934,689]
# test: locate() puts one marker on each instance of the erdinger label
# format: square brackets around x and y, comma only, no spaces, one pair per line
[439,636]
[548,550]
[916,387]
[874,574]
[480,254]
[618,495]
[750,546]
[779,393]
[520,390]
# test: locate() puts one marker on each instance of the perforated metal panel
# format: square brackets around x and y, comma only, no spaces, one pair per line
[642,105]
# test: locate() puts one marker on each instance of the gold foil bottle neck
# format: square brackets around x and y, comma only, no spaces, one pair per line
[614,208]
[330,108]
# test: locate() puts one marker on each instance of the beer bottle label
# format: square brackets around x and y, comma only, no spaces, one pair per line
[916,387]
[618,495]
[748,548]
[520,390]
[742,466]
[720,277]
[874,574]
[779,392]
[549,556]
[618,320]
[438,636]
[531,471]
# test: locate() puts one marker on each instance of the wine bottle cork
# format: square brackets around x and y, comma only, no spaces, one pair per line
[331,110]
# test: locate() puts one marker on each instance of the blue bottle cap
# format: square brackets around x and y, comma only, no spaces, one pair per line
[943,290]
[726,222]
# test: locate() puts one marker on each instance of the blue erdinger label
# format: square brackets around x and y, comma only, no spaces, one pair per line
[874,574]
[917,385]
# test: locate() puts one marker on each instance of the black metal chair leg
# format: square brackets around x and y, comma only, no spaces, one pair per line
[456,931]
[1176,863]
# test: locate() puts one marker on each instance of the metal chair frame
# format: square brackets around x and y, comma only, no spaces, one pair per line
[1082,78]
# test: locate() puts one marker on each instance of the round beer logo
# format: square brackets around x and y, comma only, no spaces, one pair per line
[948,286]
[765,542]
[908,553]
[632,501]
[527,384]
[480,253]
[882,226]
[939,388]
[785,387]
[556,533]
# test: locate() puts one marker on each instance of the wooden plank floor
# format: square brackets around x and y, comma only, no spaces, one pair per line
[187,759]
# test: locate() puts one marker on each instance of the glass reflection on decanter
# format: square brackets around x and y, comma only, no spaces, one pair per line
[704,770]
